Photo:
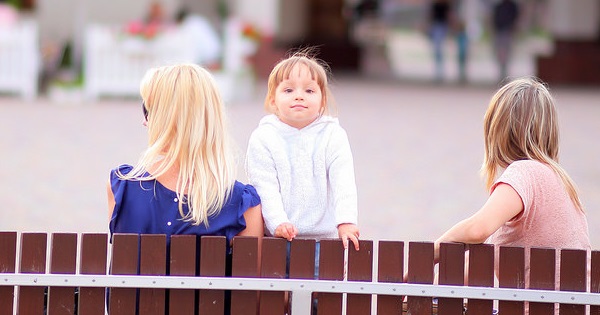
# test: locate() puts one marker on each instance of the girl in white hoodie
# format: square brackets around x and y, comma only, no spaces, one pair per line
[299,158]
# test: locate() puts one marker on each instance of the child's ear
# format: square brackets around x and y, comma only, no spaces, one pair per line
[272,104]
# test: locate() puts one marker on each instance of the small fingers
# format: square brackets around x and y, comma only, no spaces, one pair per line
[354,239]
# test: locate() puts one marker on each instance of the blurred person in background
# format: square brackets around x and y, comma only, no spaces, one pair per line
[505,15]
[440,16]
[203,38]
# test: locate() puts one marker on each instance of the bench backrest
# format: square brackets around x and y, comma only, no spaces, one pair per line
[200,272]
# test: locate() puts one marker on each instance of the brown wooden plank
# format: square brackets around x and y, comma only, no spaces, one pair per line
[390,269]
[302,259]
[420,270]
[572,277]
[182,263]
[63,257]
[8,256]
[451,272]
[273,265]
[331,267]
[480,274]
[511,274]
[30,300]
[93,262]
[360,268]
[244,264]
[542,263]
[595,280]
[153,262]
[125,251]
[212,264]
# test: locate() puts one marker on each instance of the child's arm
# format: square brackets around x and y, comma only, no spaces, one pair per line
[503,204]
[262,174]
[343,187]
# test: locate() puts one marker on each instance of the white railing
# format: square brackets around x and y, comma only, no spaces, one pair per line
[114,63]
[20,59]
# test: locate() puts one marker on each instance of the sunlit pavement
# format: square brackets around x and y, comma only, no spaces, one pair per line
[417,150]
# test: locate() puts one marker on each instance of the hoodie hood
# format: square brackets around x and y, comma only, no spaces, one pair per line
[273,121]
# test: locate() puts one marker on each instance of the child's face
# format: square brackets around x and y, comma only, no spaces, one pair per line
[298,100]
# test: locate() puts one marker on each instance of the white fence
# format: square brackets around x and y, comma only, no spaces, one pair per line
[114,63]
[20,59]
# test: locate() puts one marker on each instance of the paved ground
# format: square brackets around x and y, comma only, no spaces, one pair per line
[417,149]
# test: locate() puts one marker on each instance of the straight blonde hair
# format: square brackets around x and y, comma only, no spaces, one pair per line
[318,70]
[521,123]
[187,130]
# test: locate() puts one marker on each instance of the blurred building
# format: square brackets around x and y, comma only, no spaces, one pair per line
[574,27]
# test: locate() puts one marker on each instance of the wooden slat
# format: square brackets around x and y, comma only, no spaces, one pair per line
[451,272]
[125,250]
[542,263]
[331,267]
[244,264]
[390,269]
[212,264]
[63,258]
[302,259]
[420,270]
[8,254]
[273,265]
[153,262]
[360,268]
[572,277]
[182,263]
[511,275]
[595,280]
[480,274]
[93,262]
[33,260]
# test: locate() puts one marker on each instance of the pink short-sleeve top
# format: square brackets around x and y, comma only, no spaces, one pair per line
[549,217]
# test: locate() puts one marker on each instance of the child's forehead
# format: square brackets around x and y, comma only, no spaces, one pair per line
[300,71]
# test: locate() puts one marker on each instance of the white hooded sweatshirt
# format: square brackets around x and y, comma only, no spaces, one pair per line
[303,176]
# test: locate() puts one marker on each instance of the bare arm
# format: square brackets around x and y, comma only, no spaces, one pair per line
[111,200]
[503,204]
[254,222]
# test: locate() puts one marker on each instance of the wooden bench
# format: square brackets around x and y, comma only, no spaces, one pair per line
[60,272]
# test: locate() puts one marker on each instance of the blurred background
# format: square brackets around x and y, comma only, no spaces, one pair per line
[411,79]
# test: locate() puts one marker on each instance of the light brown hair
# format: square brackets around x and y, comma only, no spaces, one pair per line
[318,70]
[521,123]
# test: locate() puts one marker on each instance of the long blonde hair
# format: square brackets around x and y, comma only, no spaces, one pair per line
[317,68]
[521,123]
[187,130]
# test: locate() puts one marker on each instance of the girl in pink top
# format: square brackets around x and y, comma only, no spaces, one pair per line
[534,202]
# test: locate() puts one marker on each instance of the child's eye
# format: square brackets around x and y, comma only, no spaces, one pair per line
[310,91]
[288,90]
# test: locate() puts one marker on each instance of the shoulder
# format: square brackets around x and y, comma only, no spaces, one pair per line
[528,167]
[245,193]
[122,169]
[526,175]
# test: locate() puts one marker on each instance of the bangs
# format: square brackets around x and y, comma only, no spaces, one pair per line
[315,70]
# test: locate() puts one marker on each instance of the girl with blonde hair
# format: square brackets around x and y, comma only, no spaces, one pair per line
[184,182]
[534,202]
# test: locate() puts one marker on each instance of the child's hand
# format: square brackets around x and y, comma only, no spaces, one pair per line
[349,231]
[286,230]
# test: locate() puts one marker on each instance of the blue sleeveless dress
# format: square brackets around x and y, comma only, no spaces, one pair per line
[148,207]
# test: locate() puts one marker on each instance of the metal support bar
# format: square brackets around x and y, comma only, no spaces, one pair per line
[301,302]
[300,287]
